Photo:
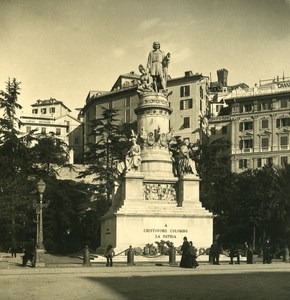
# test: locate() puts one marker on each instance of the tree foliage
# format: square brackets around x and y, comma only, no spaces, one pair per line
[109,147]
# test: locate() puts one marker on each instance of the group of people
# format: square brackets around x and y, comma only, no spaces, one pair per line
[215,251]
[189,255]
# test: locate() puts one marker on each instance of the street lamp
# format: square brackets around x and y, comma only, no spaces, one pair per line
[39,234]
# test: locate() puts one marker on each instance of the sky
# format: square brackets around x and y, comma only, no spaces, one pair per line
[65,48]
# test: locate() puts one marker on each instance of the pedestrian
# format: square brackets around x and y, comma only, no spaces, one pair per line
[245,248]
[13,250]
[267,252]
[215,253]
[185,257]
[109,254]
[193,255]
[29,254]
[250,256]
[234,252]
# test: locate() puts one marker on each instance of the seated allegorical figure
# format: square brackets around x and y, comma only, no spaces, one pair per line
[133,156]
[185,164]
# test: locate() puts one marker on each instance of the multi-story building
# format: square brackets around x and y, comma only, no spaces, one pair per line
[188,99]
[53,116]
[258,125]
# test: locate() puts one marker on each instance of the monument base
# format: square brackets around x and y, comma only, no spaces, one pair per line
[139,226]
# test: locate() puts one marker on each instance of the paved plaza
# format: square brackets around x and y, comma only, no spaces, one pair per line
[150,281]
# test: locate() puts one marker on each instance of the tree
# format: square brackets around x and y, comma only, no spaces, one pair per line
[69,203]
[105,152]
[16,168]
[50,153]
[281,199]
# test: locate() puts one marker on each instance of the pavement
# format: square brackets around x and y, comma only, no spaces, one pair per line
[66,278]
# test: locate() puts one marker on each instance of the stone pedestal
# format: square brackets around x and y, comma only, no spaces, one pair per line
[39,259]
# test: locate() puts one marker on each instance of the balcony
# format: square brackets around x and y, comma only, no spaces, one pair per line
[247,150]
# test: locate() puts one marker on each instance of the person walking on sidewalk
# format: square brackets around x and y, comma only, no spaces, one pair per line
[109,254]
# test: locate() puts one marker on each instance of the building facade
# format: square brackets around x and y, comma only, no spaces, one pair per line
[258,126]
[53,116]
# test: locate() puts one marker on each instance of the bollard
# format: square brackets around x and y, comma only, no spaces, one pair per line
[130,256]
[286,254]
[87,261]
[172,256]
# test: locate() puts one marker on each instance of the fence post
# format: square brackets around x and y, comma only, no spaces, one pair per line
[87,261]
[172,256]
[130,256]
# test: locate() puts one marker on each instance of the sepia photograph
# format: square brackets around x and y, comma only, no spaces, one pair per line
[144,149]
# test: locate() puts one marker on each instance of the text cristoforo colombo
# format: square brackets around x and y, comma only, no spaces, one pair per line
[165,230]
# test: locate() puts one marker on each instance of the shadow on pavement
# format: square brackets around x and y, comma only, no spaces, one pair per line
[270,285]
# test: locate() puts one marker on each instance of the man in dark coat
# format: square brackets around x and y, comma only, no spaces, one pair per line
[215,253]
[267,252]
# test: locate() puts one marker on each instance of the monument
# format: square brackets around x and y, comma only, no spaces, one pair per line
[154,202]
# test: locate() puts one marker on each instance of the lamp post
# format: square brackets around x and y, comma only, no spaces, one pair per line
[39,234]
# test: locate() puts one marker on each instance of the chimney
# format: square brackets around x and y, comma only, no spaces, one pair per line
[223,77]
[188,73]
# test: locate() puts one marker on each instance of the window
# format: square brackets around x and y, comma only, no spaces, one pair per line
[282,122]
[265,124]
[185,104]
[264,162]
[68,126]
[284,142]
[246,145]
[265,143]
[243,163]
[127,102]
[245,108]
[185,91]
[218,108]
[264,106]
[224,129]
[43,110]
[201,92]
[58,131]
[246,126]
[110,105]
[43,130]
[200,105]
[269,161]
[284,160]
[28,129]
[52,110]
[284,103]
[213,130]
[35,111]
[186,122]
[127,116]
